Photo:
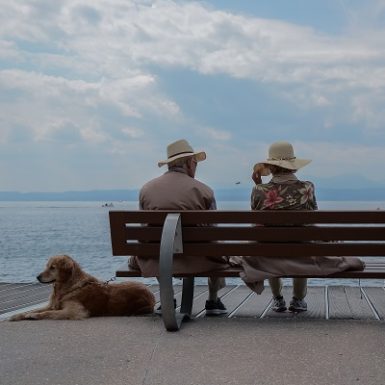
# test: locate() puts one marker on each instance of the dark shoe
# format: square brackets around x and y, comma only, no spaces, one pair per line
[215,307]
[279,304]
[159,309]
[297,305]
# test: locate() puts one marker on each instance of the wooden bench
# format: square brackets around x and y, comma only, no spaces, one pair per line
[296,234]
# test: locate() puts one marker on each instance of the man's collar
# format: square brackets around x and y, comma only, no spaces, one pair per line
[177,169]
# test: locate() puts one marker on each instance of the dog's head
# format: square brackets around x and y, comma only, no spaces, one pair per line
[59,268]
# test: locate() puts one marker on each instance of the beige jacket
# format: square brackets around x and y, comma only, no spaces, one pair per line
[175,190]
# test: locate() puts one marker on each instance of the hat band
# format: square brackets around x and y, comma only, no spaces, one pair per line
[180,153]
[282,158]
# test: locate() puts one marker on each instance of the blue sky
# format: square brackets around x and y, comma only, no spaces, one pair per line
[92,91]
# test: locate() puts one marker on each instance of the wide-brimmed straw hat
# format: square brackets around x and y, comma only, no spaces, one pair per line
[281,154]
[181,149]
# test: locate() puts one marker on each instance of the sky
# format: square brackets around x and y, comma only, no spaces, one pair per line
[93,91]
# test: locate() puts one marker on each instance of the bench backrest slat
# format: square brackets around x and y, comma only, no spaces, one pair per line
[260,233]
[284,232]
[192,217]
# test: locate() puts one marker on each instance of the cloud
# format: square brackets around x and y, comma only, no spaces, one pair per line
[46,104]
[8,51]
[122,37]
[338,159]
[132,132]
[43,104]
[114,42]
[88,74]
[215,134]
[368,107]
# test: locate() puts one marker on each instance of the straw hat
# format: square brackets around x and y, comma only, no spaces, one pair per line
[281,154]
[181,149]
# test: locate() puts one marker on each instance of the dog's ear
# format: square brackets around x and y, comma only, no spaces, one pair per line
[66,268]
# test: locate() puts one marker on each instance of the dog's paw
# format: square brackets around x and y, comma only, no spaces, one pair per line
[17,317]
[32,316]
[25,316]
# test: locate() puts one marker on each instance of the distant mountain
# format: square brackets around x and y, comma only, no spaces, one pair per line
[322,193]
[347,181]
[92,195]
[349,194]
[222,194]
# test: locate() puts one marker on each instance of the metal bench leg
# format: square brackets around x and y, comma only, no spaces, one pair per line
[171,243]
[187,296]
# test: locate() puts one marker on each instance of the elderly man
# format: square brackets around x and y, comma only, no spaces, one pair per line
[177,189]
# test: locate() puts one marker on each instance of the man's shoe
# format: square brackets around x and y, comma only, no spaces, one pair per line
[279,304]
[297,305]
[215,307]
[159,309]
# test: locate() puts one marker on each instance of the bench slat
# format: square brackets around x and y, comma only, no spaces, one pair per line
[259,249]
[260,233]
[193,217]
[376,271]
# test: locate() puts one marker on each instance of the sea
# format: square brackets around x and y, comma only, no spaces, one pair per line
[31,232]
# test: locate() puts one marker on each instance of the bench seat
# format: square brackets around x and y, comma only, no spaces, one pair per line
[373,270]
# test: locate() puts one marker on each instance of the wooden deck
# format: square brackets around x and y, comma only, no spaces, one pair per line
[324,302]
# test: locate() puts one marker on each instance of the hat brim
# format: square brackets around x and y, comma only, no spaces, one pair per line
[294,164]
[199,156]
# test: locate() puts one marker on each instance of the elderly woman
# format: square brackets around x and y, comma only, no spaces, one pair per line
[286,192]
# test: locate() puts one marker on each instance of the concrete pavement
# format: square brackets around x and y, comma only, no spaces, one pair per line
[207,351]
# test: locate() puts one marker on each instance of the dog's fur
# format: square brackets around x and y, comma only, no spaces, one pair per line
[77,295]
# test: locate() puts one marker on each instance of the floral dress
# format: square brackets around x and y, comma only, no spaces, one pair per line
[286,193]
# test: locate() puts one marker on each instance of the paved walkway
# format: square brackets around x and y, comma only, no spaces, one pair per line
[339,341]
[207,351]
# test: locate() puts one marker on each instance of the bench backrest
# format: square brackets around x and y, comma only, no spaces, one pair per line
[264,233]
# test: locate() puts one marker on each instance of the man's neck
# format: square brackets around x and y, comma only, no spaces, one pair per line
[177,169]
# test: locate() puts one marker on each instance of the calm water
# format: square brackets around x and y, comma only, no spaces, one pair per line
[33,231]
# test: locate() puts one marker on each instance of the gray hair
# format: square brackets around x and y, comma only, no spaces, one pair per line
[179,162]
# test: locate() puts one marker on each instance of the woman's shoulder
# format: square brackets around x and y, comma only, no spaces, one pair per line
[264,186]
[307,183]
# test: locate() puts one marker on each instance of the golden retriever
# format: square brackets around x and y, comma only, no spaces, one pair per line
[77,295]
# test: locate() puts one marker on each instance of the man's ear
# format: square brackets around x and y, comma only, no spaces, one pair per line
[191,166]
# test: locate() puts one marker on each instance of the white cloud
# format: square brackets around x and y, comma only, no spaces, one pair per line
[215,134]
[86,72]
[127,34]
[368,107]
[8,51]
[133,132]
[334,159]
[113,40]
[45,104]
